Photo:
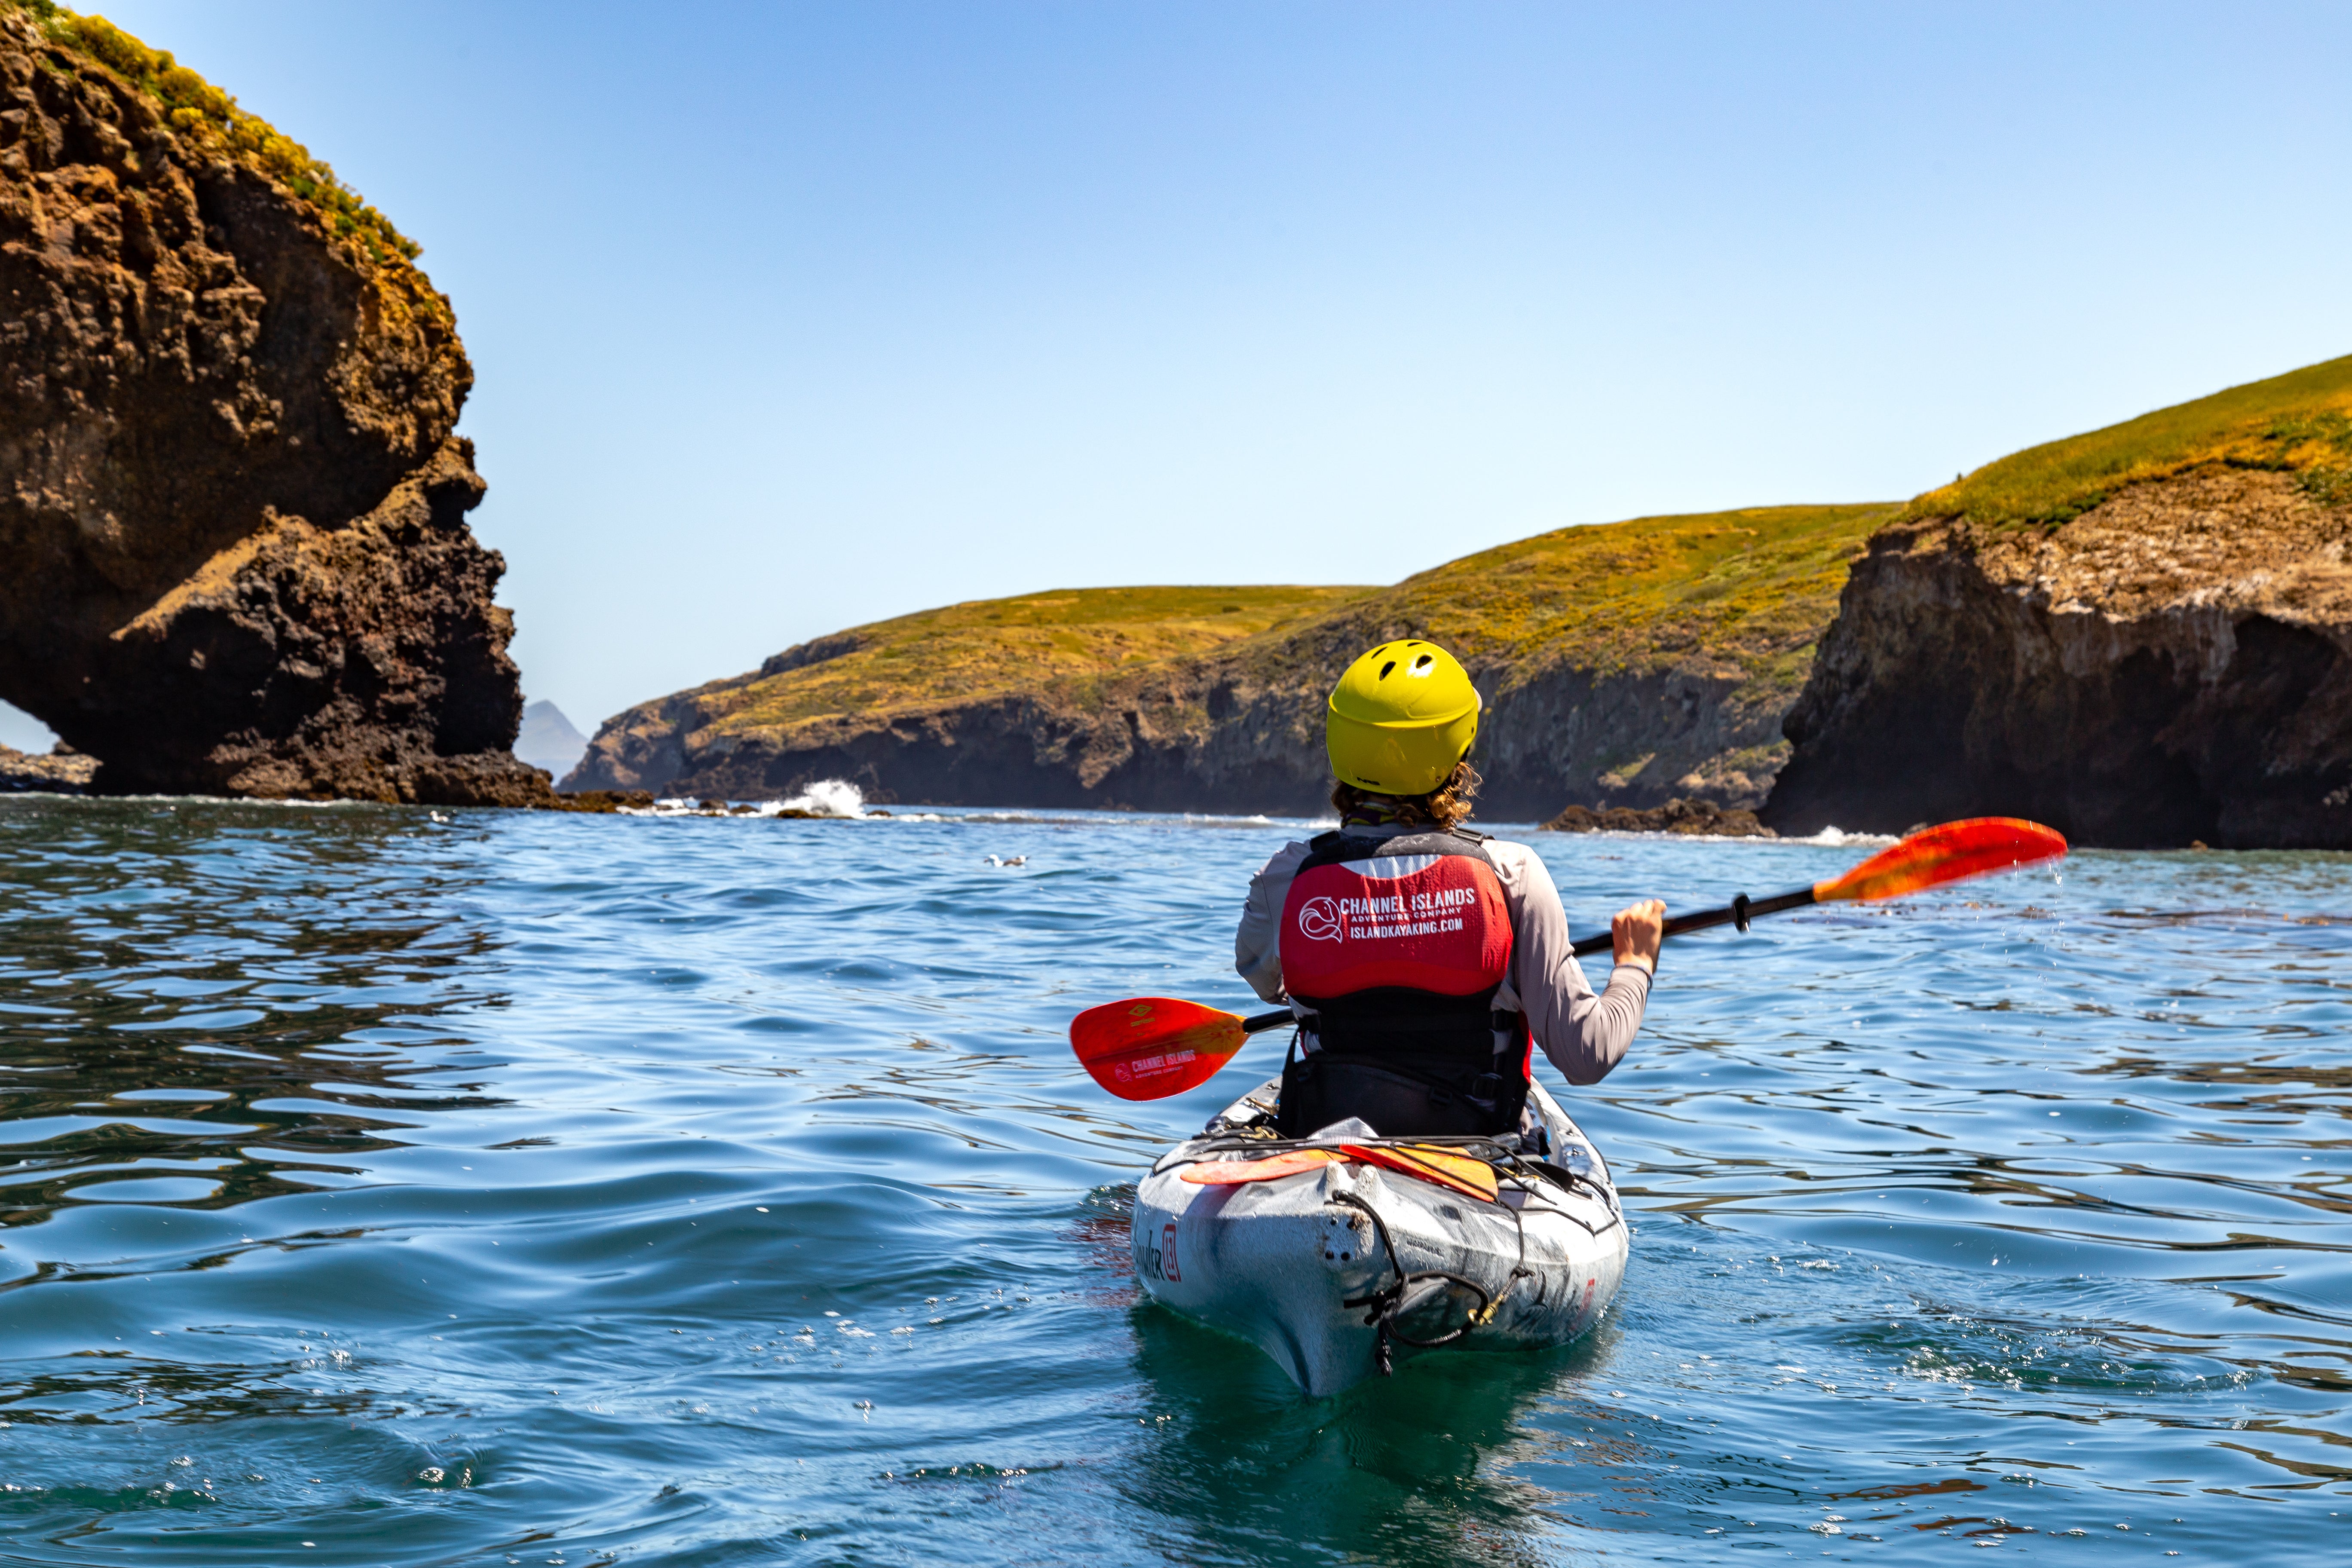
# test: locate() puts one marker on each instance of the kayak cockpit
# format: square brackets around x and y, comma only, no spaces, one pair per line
[1336,1253]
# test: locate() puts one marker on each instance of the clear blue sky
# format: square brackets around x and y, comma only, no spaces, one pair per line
[791,316]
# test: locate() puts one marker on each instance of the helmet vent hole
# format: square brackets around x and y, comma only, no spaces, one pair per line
[1425,661]
[1386,668]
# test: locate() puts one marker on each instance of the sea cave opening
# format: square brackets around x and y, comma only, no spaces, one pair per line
[19,730]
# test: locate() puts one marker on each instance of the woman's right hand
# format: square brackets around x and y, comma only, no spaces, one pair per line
[1636,933]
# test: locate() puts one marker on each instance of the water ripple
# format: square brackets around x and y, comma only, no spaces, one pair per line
[382,1189]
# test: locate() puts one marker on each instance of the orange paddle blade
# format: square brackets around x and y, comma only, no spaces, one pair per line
[1234,1173]
[1473,1178]
[1152,1047]
[1947,854]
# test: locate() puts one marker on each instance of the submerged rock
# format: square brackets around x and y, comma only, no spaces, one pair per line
[234,556]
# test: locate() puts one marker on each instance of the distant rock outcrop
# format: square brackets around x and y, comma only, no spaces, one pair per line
[1628,664]
[234,556]
[2142,637]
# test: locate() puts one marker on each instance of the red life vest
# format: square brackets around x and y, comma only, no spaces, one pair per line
[1398,945]
[1426,921]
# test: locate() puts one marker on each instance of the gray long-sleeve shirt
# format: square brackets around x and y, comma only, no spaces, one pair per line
[1584,1035]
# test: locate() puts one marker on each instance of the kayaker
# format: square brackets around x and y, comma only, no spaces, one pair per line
[1423,959]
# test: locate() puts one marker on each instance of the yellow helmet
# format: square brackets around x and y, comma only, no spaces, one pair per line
[1400,719]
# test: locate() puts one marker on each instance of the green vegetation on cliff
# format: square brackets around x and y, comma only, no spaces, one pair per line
[211,119]
[1743,591]
[1618,660]
[1740,593]
[2298,423]
[1070,638]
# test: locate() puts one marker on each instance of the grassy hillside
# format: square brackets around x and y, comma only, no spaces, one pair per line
[1646,656]
[2298,423]
[1068,639]
[1746,591]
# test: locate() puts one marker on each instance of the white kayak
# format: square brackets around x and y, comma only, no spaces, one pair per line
[1338,1269]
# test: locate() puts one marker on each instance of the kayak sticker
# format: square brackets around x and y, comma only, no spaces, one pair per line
[1158,1262]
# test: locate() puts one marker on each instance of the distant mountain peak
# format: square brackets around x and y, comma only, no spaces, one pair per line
[549,740]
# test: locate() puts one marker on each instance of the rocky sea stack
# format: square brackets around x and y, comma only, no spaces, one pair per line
[2141,637]
[234,555]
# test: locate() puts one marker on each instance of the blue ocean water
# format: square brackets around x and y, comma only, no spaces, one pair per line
[517,1188]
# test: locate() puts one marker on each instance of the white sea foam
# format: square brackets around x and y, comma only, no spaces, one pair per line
[1833,839]
[1828,837]
[826,797]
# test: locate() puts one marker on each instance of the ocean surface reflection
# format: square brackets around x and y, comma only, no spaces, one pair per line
[386,1190]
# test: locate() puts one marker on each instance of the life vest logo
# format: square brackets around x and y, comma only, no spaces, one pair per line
[1432,912]
[1425,922]
[1319,921]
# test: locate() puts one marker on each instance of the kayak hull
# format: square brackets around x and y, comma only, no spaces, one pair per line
[1277,1261]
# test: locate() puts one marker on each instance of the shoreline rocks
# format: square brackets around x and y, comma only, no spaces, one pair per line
[604,801]
[58,772]
[1693,816]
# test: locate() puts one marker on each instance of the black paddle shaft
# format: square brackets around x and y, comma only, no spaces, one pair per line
[1737,912]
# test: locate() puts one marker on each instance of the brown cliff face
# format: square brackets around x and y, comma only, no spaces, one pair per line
[234,556]
[2173,664]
